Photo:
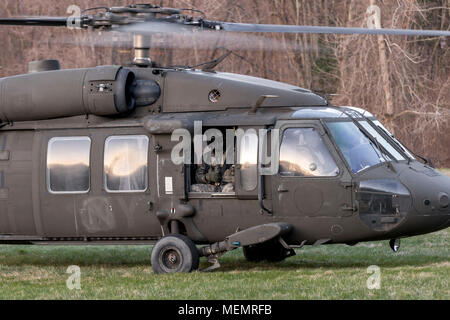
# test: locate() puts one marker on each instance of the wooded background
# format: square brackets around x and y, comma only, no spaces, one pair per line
[405,81]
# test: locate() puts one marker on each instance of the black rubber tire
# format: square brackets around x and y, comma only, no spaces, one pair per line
[275,252]
[253,253]
[174,253]
[271,251]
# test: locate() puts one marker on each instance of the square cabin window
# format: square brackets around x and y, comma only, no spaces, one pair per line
[68,165]
[304,154]
[125,164]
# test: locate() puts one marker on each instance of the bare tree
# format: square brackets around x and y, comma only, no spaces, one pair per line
[405,81]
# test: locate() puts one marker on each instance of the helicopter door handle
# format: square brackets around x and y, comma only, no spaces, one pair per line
[281,189]
[349,208]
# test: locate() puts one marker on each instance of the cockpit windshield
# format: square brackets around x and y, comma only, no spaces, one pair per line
[382,141]
[359,151]
[386,131]
[366,143]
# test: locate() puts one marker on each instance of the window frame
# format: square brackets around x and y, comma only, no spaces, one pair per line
[119,137]
[47,171]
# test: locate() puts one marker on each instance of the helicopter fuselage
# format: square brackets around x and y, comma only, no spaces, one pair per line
[82,164]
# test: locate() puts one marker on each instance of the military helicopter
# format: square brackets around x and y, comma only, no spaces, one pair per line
[87,155]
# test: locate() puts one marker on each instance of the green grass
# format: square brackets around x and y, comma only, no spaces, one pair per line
[421,270]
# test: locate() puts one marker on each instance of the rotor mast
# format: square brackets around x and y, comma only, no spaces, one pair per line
[142,45]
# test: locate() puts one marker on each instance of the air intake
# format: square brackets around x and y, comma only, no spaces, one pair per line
[43,65]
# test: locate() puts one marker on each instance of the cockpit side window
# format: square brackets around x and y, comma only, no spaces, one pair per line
[304,154]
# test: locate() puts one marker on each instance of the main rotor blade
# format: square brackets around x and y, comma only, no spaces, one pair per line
[35,21]
[218,26]
[246,27]
[180,39]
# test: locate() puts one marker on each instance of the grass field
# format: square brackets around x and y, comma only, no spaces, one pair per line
[421,270]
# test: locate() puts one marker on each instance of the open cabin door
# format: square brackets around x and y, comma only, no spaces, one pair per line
[246,173]
[168,182]
[255,166]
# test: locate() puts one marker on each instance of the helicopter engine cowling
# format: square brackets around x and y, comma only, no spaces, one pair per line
[101,91]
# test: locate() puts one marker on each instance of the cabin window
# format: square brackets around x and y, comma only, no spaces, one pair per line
[248,159]
[68,165]
[304,154]
[125,164]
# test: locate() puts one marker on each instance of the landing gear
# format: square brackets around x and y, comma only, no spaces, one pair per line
[174,253]
[395,245]
[177,253]
[259,243]
[272,251]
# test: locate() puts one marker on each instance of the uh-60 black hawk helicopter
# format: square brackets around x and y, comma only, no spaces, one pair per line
[87,156]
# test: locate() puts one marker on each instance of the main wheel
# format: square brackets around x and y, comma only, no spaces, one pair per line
[254,253]
[174,253]
[271,251]
[275,252]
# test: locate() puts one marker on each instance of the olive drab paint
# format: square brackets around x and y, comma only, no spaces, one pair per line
[116,154]
[338,208]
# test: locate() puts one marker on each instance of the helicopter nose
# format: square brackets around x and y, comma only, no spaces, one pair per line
[432,198]
[444,200]
[430,191]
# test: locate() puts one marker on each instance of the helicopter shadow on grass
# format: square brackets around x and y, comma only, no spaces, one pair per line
[344,261]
